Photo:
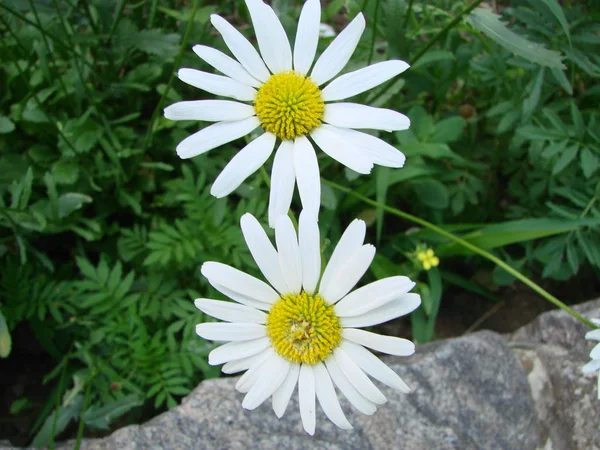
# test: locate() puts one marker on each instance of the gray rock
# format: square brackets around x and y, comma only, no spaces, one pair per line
[468,393]
[552,349]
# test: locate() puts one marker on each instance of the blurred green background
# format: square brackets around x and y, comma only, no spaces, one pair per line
[103,229]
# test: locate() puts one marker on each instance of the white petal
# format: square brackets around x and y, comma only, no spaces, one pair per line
[289,254]
[595,353]
[310,250]
[233,351]
[373,366]
[247,161]
[217,84]
[215,135]
[354,115]
[596,322]
[373,295]
[238,281]
[239,365]
[230,312]
[361,80]
[396,308]
[241,48]
[273,42]
[282,182]
[327,397]
[240,297]
[308,175]
[273,373]
[349,243]
[215,331]
[209,110]
[594,335]
[247,380]
[385,344]
[348,274]
[307,36]
[306,397]
[263,252]
[377,150]
[328,139]
[282,396]
[354,397]
[337,55]
[357,377]
[591,366]
[226,65]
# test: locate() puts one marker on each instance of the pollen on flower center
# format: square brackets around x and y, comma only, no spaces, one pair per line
[303,328]
[289,105]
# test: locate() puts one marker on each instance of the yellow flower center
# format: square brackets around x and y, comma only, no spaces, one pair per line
[289,105]
[303,328]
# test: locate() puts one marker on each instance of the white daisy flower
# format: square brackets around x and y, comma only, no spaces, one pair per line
[279,92]
[594,365]
[304,329]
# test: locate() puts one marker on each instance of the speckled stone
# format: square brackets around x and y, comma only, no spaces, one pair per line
[468,393]
[553,350]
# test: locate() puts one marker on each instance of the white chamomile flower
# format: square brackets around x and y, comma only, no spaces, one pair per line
[594,365]
[291,99]
[304,329]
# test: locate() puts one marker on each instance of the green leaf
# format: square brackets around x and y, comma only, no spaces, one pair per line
[5,340]
[577,120]
[501,234]
[484,20]
[449,130]
[21,191]
[589,162]
[156,42]
[102,417]
[394,32]
[6,125]
[65,171]
[434,56]
[63,416]
[565,159]
[558,13]
[432,193]
[71,201]
[531,102]
[540,134]
[561,78]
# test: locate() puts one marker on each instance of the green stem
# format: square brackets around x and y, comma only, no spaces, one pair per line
[444,30]
[265,176]
[408,13]
[374,38]
[86,401]
[58,397]
[183,46]
[152,13]
[467,245]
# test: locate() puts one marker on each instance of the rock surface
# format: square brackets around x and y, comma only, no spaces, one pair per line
[552,349]
[482,391]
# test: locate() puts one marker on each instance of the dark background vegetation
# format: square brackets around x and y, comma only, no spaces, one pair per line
[103,228]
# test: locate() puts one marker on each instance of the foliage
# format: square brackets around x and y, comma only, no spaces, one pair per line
[103,229]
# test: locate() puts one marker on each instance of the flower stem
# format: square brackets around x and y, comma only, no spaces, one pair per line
[552,299]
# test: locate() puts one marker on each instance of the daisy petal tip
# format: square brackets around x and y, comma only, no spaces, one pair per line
[216,193]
